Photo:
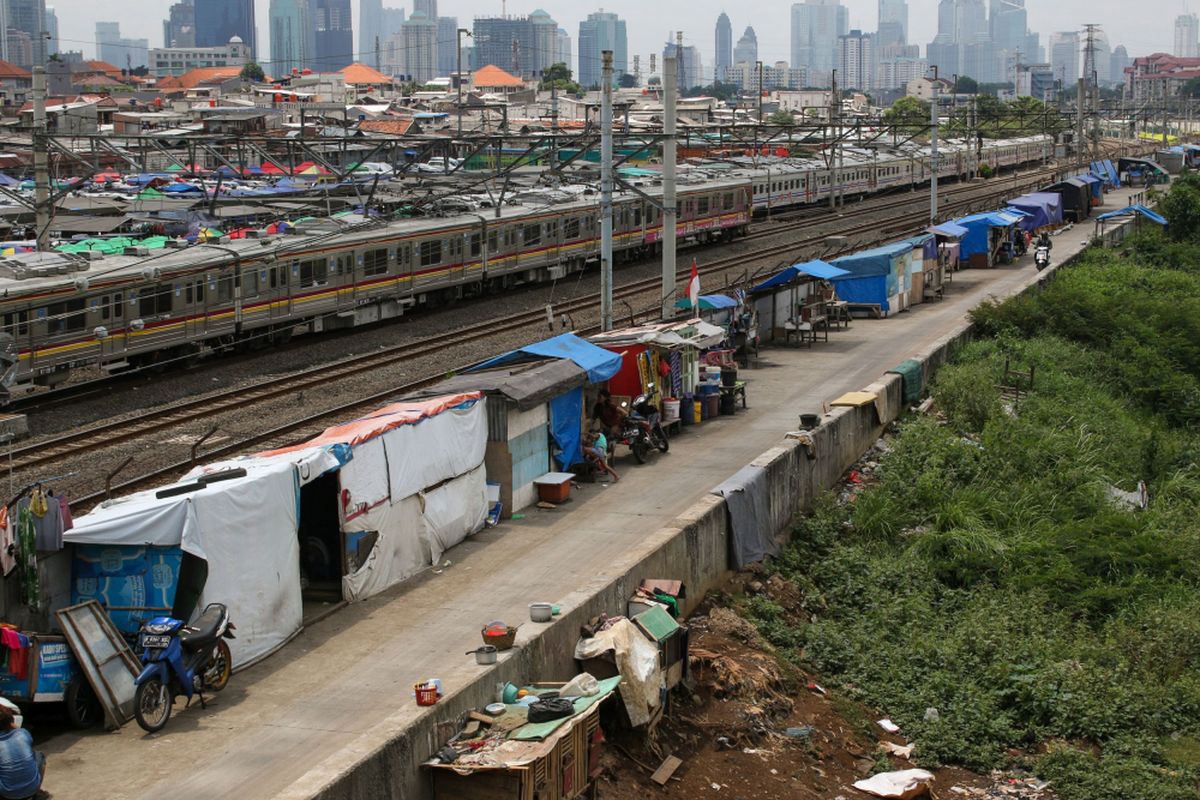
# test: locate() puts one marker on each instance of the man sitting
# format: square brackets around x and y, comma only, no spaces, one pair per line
[607,413]
[21,769]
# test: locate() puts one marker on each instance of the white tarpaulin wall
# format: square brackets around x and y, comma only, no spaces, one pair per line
[245,528]
[422,487]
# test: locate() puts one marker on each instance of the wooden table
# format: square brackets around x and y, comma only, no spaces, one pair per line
[839,312]
[737,390]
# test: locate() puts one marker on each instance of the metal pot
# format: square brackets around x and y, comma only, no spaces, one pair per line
[541,612]
[485,654]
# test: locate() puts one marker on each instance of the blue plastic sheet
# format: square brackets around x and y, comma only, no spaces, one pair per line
[867,289]
[598,363]
[1135,209]
[815,268]
[566,411]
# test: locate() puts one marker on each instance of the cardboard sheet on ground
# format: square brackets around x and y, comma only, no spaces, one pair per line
[637,663]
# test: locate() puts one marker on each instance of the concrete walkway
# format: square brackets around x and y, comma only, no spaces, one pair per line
[345,683]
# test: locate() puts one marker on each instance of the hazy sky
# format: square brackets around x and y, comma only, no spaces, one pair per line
[1143,27]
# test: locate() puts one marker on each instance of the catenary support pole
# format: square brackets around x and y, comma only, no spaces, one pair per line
[606,190]
[933,148]
[41,160]
[670,90]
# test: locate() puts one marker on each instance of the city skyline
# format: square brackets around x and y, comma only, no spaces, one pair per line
[649,27]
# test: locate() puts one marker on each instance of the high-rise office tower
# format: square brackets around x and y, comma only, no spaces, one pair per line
[218,21]
[179,28]
[856,61]
[522,46]
[29,17]
[333,35]
[371,35]
[1187,36]
[1064,57]
[599,32]
[51,28]
[816,26]
[292,40]
[724,53]
[893,22]
[746,50]
[419,35]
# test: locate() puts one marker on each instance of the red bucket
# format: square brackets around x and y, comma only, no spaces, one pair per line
[427,694]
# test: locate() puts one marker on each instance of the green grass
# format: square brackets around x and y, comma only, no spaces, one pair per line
[988,575]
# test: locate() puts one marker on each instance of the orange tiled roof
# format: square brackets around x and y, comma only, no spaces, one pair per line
[195,77]
[492,77]
[95,65]
[361,75]
[8,70]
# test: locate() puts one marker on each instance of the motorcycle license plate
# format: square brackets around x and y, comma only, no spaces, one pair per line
[155,640]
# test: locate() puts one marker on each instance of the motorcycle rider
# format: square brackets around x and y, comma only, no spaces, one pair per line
[1043,240]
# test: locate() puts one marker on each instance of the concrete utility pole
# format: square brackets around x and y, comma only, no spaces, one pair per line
[41,164]
[606,190]
[835,108]
[1080,129]
[458,73]
[933,144]
[668,212]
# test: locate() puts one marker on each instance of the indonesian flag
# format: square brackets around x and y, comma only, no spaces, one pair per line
[694,286]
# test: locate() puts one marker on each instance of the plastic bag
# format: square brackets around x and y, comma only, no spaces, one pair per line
[582,685]
[547,710]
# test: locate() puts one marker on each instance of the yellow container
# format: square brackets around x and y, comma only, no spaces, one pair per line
[699,404]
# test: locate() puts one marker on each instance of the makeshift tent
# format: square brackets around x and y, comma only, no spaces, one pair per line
[1142,168]
[808,269]
[985,232]
[244,528]
[925,269]
[948,230]
[1095,186]
[667,354]
[879,276]
[413,487]
[1040,209]
[1076,198]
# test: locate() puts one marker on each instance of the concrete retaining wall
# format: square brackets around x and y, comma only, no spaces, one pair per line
[387,761]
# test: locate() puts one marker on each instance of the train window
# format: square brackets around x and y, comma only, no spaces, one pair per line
[571,229]
[313,272]
[193,292]
[456,248]
[156,300]
[476,245]
[375,262]
[727,201]
[552,230]
[702,206]
[637,216]
[250,283]
[492,241]
[16,323]
[65,317]
[532,234]
[225,289]
[431,252]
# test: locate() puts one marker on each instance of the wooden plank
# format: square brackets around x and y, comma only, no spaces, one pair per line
[665,770]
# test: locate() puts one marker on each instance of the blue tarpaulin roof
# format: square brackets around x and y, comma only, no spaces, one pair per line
[876,261]
[708,302]
[815,268]
[1137,208]
[949,229]
[598,363]
[1039,208]
[978,225]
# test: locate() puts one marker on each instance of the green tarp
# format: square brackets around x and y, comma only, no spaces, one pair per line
[540,730]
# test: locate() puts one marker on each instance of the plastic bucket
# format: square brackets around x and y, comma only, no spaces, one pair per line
[728,403]
[728,376]
[714,404]
[701,409]
[670,409]
[687,411]
[426,695]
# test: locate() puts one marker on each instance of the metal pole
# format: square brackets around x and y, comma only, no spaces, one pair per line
[933,147]
[1080,102]
[835,108]
[41,165]
[606,189]
[458,73]
[670,89]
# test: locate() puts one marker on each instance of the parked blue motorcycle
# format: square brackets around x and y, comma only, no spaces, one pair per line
[181,659]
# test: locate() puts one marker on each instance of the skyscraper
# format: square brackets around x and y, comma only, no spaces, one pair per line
[1187,36]
[371,35]
[724,55]
[426,7]
[562,49]
[292,40]
[179,28]
[447,40]
[333,38]
[893,22]
[689,67]
[1117,63]
[108,43]
[746,51]
[523,46]
[51,28]
[963,45]
[816,26]
[29,16]
[419,36]
[599,32]
[218,21]
[1064,57]
[856,61]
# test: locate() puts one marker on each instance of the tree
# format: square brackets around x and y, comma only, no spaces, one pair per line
[781,118]
[908,114]
[967,85]
[252,72]
[558,76]
[626,81]
[1181,207]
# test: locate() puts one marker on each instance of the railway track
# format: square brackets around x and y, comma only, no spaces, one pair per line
[63,447]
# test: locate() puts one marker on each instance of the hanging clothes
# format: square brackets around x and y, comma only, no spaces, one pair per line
[8,544]
[64,508]
[48,526]
[27,558]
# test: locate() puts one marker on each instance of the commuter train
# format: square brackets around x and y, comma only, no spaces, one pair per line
[144,308]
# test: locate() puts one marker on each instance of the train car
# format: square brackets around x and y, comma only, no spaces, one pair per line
[143,308]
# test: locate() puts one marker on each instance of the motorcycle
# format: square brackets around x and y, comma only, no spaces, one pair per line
[181,659]
[1041,257]
[641,429]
